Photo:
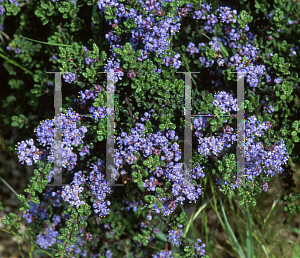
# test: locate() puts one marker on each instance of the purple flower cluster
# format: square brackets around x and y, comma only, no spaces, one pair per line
[158,145]
[200,249]
[163,254]
[225,102]
[2,10]
[259,160]
[69,77]
[215,45]
[192,49]
[169,61]
[211,22]
[47,238]
[153,34]
[134,204]
[249,51]
[72,194]
[54,196]
[86,95]
[264,186]
[28,154]
[36,212]
[98,185]
[294,51]
[113,65]
[100,112]
[72,136]
[215,144]
[174,236]
[100,188]
[226,15]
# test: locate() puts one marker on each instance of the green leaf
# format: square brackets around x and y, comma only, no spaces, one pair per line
[12,215]
[5,221]
[21,197]
[295,139]
[296,250]
[294,133]
[145,241]
[60,247]
[17,225]
[224,51]
[161,236]
[161,127]
[95,49]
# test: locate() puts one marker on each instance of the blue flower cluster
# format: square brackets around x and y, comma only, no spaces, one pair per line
[163,254]
[96,182]
[36,212]
[157,145]
[69,77]
[72,194]
[28,154]
[200,248]
[174,236]
[100,188]
[225,102]
[259,160]
[47,238]
[86,95]
[155,35]
[246,55]
[72,136]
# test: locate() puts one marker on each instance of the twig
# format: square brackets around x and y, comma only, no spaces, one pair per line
[5,35]
[130,112]
[105,239]
[68,238]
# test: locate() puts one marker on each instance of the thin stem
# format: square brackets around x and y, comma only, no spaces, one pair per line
[16,64]
[130,112]
[9,186]
[42,42]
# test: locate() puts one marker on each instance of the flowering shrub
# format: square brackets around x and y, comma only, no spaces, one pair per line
[144,43]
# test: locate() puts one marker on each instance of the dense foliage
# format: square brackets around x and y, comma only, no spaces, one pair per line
[145,43]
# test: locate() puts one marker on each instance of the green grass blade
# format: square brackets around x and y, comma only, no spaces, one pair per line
[16,64]
[192,218]
[272,208]
[260,239]
[231,234]
[250,244]
[47,43]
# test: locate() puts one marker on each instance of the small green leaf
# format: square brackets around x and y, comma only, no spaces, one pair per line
[60,247]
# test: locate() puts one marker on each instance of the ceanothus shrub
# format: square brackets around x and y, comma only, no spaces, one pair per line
[145,43]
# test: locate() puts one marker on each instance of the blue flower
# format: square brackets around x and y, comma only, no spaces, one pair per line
[278,80]
[69,77]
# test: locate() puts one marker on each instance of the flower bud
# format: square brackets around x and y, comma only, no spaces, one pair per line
[131,74]
[98,88]
[88,236]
